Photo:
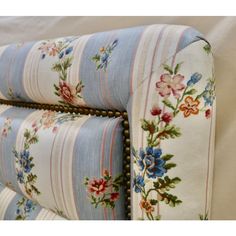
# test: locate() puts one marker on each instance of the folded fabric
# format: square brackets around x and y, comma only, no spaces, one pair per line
[71,164]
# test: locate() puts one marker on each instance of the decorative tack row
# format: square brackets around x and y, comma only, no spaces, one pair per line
[96,112]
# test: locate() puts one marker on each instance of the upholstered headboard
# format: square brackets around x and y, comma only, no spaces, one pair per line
[127,131]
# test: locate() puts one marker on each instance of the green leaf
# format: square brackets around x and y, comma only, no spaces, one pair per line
[168,103]
[19,217]
[56,87]
[67,63]
[56,67]
[33,139]
[191,92]
[153,202]
[203,217]
[167,157]
[169,166]
[169,131]
[27,134]
[168,68]
[207,48]
[144,124]
[170,199]
[176,180]
[96,58]
[177,68]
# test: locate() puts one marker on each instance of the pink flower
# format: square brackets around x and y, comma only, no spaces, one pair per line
[208,113]
[114,197]
[67,93]
[167,117]
[169,84]
[55,128]
[34,124]
[156,111]
[4,132]
[49,48]
[97,186]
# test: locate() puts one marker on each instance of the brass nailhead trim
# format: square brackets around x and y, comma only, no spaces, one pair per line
[97,112]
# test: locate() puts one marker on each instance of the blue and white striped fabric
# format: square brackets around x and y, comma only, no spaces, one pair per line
[162,75]
[47,156]
[9,208]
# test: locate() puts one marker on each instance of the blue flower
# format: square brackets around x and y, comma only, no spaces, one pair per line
[43,56]
[17,211]
[151,162]
[20,177]
[209,93]
[29,205]
[138,183]
[25,161]
[69,50]
[114,44]
[194,79]
[61,55]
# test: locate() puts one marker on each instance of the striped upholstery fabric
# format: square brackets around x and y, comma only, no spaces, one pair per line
[9,209]
[47,156]
[162,75]
[124,59]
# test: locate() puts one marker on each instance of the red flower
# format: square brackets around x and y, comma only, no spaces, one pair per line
[156,111]
[208,113]
[67,92]
[97,186]
[114,197]
[167,117]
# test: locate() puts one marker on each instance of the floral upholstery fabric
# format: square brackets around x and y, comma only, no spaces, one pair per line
[162,75]
[68,163]
[15,207]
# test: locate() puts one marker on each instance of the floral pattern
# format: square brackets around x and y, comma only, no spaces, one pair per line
[24,208]
[68,93]
[103,191]
[25,161]
[151,163]
[102,59]
[6,127]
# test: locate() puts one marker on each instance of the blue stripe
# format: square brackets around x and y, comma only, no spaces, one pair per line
[118,70]
[190,35]
[12,63]
[86,162]
[11,210]
[17,115]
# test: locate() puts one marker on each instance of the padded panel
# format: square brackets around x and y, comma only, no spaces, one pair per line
[14,206]
[65,162]
[100,70]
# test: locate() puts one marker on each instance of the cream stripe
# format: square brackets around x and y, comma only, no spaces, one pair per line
[29,75]
[73,72]
[20,137]
[67,164]
[6,197]
[67,156]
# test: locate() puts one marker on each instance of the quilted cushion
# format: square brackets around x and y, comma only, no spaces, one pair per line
[14,206]
[71,164]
